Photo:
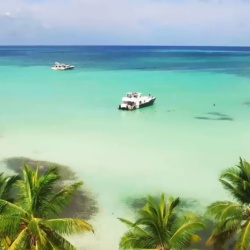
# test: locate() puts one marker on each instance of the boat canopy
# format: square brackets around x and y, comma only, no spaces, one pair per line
[133,94]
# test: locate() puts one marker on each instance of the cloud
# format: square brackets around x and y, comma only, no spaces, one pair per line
[19,29]
[127,21]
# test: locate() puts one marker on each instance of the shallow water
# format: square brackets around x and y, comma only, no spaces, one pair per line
[198,126]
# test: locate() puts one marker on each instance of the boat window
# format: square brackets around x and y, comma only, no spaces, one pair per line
[129,95]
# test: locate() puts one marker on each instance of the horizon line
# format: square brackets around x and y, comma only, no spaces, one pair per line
[129,45]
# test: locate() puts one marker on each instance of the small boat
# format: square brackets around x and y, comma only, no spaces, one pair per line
[135,100]
[62,66]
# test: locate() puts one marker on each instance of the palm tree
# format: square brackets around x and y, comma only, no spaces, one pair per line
[6,191]
[32,222]
[232,219]
[160,227]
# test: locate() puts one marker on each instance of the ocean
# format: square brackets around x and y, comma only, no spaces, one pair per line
[198,126]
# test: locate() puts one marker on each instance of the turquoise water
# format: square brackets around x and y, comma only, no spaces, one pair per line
[180,145]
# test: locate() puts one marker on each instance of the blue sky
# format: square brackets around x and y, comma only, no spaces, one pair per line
[125,22]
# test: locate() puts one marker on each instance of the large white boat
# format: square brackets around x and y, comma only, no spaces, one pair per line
[135,100]
[62,66]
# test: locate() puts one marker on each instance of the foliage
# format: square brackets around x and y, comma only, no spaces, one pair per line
[82,205]
[232,219]
[31,221]
[159,227]
[6,188]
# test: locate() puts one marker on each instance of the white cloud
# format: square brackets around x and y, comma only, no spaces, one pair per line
[127,21]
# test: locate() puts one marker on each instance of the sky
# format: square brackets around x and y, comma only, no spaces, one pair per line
[125,22]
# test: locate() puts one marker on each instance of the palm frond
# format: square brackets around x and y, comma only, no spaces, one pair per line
[227,216]
[67,225]
[8,205]
[220,236]
[186,228]
[127,222]
[237,192]
[222,210]
[20,243]
[25,189]
[158,225]
[170,215]
[237,182]
[243,241]
[35,190]
[10,223]
[58,242]
[44,187]
[59,201]
[28,221]
[135,228]
[244,166]
[134,240]
[6,185]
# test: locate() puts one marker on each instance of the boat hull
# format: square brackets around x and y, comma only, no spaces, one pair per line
[69,68]
[146,104]
[142,105]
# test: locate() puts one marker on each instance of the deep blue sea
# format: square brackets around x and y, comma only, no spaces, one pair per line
[198,126]
[234,60]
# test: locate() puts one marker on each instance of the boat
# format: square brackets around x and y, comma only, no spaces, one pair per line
[135,100]
[62,66]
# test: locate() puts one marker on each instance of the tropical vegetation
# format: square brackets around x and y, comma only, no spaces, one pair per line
[232,218]
[159,226]
[31,220]
[32,217]
[6,184]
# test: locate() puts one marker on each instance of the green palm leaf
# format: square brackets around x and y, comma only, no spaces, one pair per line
[20,243]
[58,242]
[185,230]
[6,185]
[159,226]
[67,225]
[232,218]
[134,239]
[127,222]
[243,241]
[237,181]
[29,222]
[57,202]
[13,207]
[222,210]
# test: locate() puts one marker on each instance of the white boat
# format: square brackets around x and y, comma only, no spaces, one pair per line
[62,66]
[135,100]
